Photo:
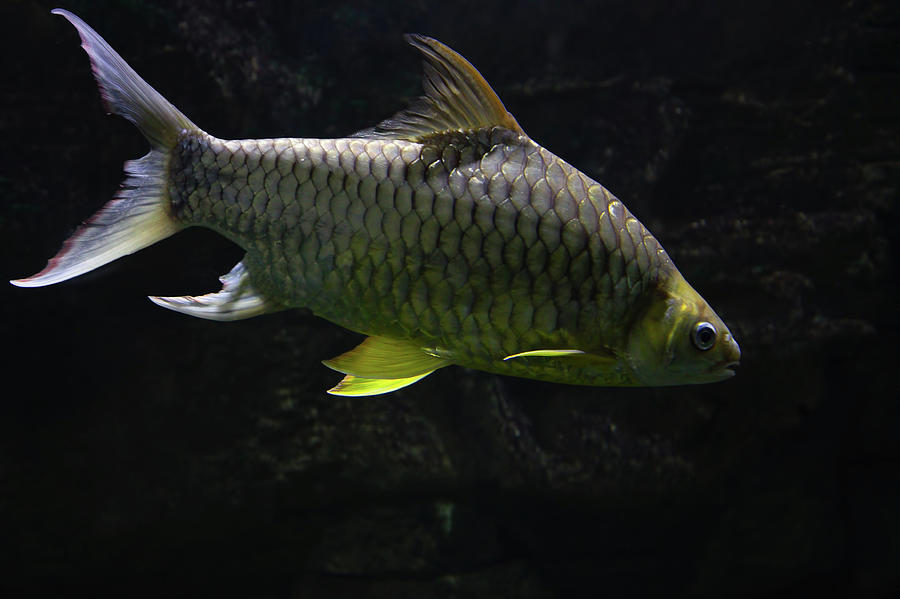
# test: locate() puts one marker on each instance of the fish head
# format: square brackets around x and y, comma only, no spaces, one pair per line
[679,340]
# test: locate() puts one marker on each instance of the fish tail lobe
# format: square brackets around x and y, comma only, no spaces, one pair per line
[140,213]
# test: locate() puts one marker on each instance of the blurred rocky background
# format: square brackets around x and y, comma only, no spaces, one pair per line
[145,453]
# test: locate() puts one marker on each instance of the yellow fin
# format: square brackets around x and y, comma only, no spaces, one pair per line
[353,386]
[384,358]
[547,353]
[457,98]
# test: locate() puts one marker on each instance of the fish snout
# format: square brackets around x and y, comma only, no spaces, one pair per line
[732,357]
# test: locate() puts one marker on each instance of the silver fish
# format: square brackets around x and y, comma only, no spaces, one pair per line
[445,234]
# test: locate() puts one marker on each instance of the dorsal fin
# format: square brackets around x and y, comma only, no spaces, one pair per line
[457,98]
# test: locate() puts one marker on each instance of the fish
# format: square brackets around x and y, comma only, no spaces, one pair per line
[444,234]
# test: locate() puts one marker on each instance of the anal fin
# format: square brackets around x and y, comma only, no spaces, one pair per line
[236,300]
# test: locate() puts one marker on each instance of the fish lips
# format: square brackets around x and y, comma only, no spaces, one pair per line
[725,370]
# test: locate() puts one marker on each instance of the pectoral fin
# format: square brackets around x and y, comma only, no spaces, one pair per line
[547,353]
[570,358]
[379,365]
[236,300]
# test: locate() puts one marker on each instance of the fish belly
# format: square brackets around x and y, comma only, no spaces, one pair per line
[483,244]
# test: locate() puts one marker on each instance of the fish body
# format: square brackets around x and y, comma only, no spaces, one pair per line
[482,248]
[445,234]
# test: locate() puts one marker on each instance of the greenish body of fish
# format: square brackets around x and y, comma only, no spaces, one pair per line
[445,234]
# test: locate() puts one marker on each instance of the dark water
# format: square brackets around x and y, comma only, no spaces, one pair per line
[146,453]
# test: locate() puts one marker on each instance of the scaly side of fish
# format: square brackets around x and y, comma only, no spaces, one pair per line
[445,234]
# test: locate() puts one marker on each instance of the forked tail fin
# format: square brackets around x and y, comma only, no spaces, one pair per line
[139,214]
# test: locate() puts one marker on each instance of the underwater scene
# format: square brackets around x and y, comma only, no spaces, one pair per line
[462,299]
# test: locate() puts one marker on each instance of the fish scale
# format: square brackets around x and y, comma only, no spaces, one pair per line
[425,227]
[445,234]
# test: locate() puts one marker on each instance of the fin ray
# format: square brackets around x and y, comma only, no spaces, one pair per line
[354,386]
[385,358]
[133,220]
[457,98]
[125,92]
[237,299]
[138,215]
[547,353]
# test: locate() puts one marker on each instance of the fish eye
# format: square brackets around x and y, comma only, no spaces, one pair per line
[704,336]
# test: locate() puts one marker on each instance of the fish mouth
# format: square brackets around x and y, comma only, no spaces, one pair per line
[723,370]
[727,370]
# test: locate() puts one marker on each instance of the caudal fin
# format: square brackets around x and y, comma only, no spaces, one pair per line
[139,214]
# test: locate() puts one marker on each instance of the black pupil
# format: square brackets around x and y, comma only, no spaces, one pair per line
[705,335]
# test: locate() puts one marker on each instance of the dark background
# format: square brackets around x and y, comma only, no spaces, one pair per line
[145,453]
